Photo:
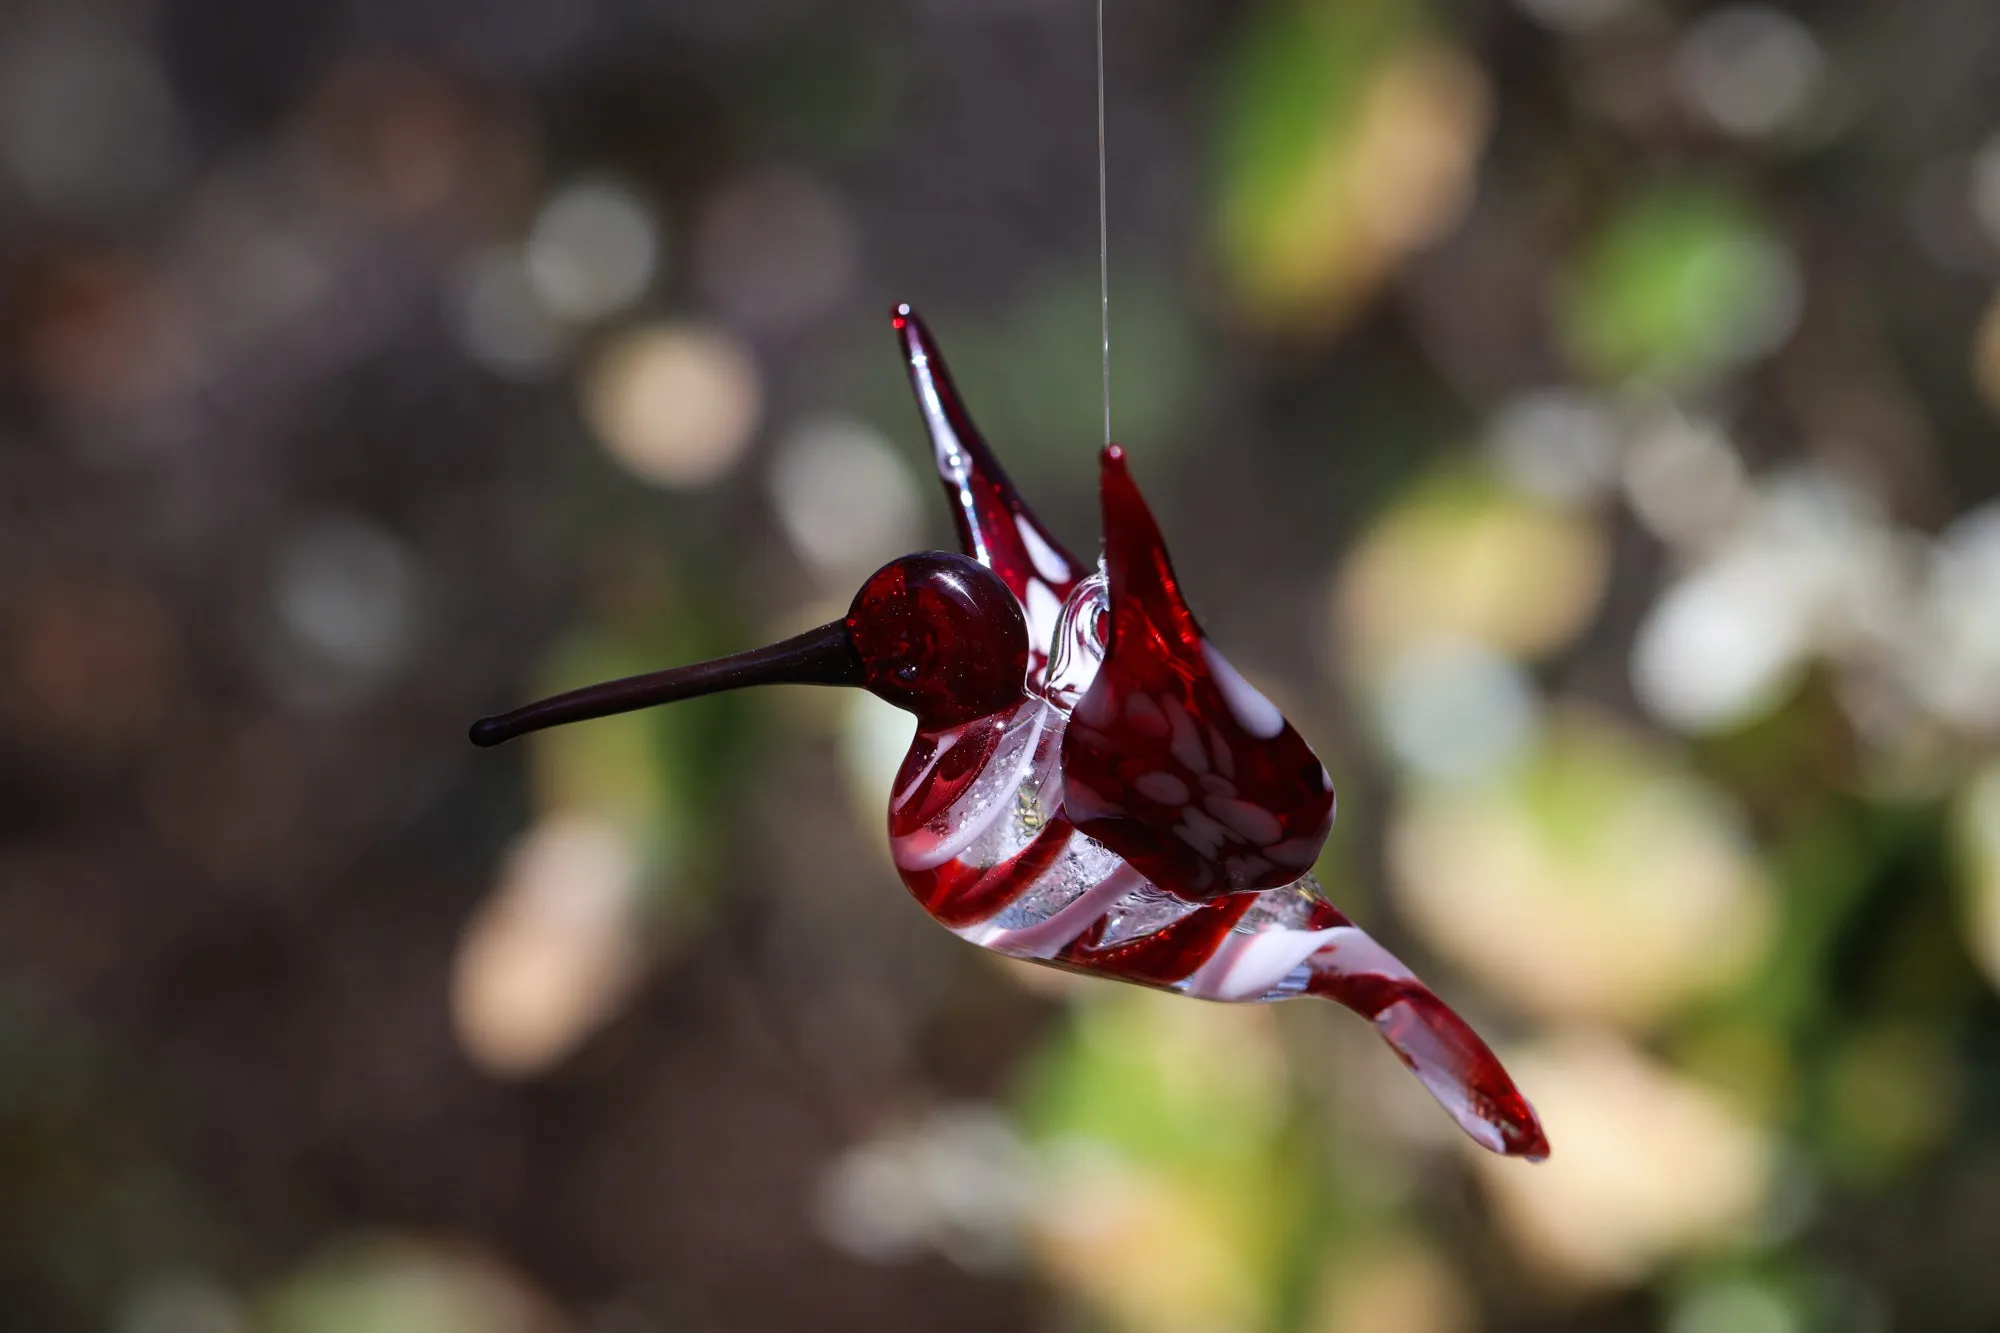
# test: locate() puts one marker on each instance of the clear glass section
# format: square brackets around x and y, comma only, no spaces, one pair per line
[1078,648]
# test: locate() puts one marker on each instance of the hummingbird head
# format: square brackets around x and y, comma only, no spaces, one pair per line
[935,634]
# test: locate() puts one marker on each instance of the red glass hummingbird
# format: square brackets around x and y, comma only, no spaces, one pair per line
[1092,786]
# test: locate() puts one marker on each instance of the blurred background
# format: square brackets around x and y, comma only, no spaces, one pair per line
[1578,414]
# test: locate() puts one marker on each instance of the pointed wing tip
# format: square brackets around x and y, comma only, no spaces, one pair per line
[1128,519]
[910,329]
[914,337]
[1114,482]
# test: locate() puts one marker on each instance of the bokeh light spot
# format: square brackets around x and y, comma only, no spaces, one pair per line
[345,596]
[593,250]
[549,956]
[845,499]
[676,405]
[1648,1165]
[1748,69]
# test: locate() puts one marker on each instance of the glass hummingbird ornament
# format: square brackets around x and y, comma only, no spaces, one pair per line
[1092,786]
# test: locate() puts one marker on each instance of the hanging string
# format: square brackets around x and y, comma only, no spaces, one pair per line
[1103,229]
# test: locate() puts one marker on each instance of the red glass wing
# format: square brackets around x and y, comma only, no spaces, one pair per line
[1172,759]
[995,526]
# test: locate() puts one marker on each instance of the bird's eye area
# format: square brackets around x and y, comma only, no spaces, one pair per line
[941,636]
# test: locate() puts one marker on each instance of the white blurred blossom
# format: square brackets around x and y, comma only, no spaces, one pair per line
[1811,568]
[1724,644]
[958,1183]
[1952,656]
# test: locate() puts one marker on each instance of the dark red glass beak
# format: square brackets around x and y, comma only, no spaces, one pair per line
[935,634]
[823,656]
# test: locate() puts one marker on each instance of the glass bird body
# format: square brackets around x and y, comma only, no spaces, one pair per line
[1143,813]
[1091,785]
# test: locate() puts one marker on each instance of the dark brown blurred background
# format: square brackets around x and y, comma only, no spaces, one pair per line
[1577,413]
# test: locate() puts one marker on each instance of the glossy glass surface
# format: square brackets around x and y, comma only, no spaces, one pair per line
[940,636]
[1172,759]
[1141,812]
